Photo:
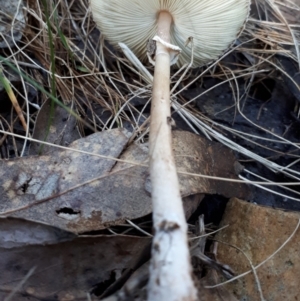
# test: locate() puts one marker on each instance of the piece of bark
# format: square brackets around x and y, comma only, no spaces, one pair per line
[259,232]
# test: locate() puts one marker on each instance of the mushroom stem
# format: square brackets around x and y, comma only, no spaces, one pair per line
[164,22]
[170,269]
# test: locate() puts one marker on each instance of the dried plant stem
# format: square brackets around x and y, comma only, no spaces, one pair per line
[170,269]
[6,84]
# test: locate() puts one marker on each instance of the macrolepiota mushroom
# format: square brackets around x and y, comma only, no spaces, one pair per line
[159,29]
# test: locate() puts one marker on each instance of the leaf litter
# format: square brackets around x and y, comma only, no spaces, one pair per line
[81,193]
[68,270]
[96,78]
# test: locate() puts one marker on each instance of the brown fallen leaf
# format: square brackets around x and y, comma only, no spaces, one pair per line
[70,269]
[15,233]
[80,192]
[201,156]
[27,183]
[259,232]
[195,155]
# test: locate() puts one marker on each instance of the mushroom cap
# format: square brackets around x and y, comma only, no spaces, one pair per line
[213,24]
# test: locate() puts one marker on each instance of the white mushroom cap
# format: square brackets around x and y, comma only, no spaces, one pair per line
[213,24]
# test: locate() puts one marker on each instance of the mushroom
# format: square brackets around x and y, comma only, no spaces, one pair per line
[165,26]
[213,24]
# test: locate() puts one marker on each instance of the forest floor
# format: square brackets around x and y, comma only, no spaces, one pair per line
[75,196]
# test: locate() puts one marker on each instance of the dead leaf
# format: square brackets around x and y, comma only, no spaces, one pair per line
[79,192]
[201,156]
[195,155]
[16,232]
[33,179]
[259,232]
[68,270]
[62,130]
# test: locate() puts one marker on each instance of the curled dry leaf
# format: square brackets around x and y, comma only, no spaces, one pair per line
[80,192]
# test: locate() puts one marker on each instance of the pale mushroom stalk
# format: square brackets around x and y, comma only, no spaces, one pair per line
[170,269]
[213,25]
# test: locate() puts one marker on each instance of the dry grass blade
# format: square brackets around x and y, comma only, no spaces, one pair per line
[7,86]
[20,284]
